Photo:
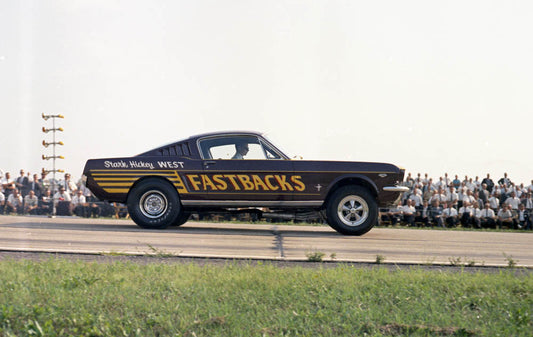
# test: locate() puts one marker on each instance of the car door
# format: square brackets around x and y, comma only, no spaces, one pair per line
[243,170]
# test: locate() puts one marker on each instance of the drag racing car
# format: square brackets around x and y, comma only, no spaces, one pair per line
[222,171]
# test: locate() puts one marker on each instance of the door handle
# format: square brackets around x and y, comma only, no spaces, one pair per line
[209,162]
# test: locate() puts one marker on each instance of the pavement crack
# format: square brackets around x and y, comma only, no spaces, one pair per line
[278,241]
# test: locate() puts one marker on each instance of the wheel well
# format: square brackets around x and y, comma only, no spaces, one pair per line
[160,178]
[350,181]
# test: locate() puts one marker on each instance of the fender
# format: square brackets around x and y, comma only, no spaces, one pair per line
[375,190]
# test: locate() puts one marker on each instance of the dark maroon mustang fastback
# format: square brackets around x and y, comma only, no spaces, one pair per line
[221,172]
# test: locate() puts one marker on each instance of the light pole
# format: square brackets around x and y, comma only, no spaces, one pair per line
[53,156]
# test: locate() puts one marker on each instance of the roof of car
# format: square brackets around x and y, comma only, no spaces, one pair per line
[203,135]
[221,133]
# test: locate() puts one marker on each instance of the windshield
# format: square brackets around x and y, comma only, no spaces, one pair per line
[274,144]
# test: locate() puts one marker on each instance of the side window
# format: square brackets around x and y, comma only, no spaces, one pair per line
[222,151]
[255,151]
[235,147]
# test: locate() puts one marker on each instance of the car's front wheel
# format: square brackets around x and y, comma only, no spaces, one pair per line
[154,204]
[352,210]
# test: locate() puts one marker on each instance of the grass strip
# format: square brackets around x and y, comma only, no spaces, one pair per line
[64,298]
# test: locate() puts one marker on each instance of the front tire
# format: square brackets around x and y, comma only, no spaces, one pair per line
[154,204]
[352,210]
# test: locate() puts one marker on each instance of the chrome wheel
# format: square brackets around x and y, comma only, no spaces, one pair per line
[153,204]
[352,210]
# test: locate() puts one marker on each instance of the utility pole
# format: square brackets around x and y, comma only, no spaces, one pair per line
[53,156]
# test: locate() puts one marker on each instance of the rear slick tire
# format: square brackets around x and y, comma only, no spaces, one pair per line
[352,210]
[154,204]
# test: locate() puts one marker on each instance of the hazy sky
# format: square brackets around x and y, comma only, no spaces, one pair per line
[433,86]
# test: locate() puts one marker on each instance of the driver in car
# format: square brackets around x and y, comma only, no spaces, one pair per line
[241,150]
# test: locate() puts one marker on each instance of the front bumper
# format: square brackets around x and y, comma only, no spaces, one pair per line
[396,189]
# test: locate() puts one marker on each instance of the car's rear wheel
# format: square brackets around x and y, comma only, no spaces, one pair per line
[352,210]
[154,204]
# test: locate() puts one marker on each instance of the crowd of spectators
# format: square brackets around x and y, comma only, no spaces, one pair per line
[31,194]
[468,203]
[443,203]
